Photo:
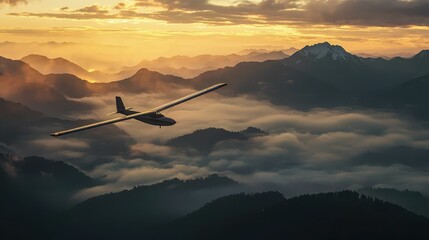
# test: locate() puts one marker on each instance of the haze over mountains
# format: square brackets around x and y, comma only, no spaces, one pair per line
[182,66]
[46,65]
[189,67]
[321,75]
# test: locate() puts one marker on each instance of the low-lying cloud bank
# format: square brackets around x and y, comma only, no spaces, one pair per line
[304,152]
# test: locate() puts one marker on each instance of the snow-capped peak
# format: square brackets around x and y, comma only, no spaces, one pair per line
[321,50]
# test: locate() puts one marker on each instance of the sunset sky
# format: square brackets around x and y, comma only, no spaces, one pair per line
[129,31]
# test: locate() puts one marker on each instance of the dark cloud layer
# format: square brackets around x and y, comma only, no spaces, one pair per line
[336,12]
[368,12]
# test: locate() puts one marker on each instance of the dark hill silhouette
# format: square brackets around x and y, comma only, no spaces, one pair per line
[33,190]
[13,120]
[145,80]
[340,215]
[253,132]
[411,96]
[50,182]
[71,86]
[170,210]
[205,139]
[54,172]
[333,64]
[275,82]
[22,216]
[130,211]
[411,200]
[354,74]
[413,91]
[322,75]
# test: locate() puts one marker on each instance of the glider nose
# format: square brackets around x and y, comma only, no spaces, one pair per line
[172,121]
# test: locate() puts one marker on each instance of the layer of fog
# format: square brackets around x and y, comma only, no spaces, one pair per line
[304,151]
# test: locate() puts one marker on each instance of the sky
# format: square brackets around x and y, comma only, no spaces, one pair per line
[132,30]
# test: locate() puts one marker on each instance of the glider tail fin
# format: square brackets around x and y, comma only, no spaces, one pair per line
[120,107]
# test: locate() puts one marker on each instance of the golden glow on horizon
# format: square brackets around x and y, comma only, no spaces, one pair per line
[131,39]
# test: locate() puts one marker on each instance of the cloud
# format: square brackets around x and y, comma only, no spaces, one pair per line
[292,12]
[12,2]
[74,15]
[369,13]
[93,9]
[120,6]
[57,145]
[295,181]
[305,151]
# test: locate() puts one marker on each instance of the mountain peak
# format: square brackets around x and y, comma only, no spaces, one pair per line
[204,140]
[35,57]
[422,54]
[323,50]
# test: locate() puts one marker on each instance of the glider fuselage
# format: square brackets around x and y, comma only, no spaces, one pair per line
[157,120]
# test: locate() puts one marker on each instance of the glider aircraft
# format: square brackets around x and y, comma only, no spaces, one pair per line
[152,116]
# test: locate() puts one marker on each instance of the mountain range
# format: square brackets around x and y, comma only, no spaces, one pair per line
[143,207]
[60,65]
[182,66]
[191,209]
[321,75]
[324,75]
[339,215]
[46,181]
[353,74]
[21,83]
[335,215]
[189,67]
